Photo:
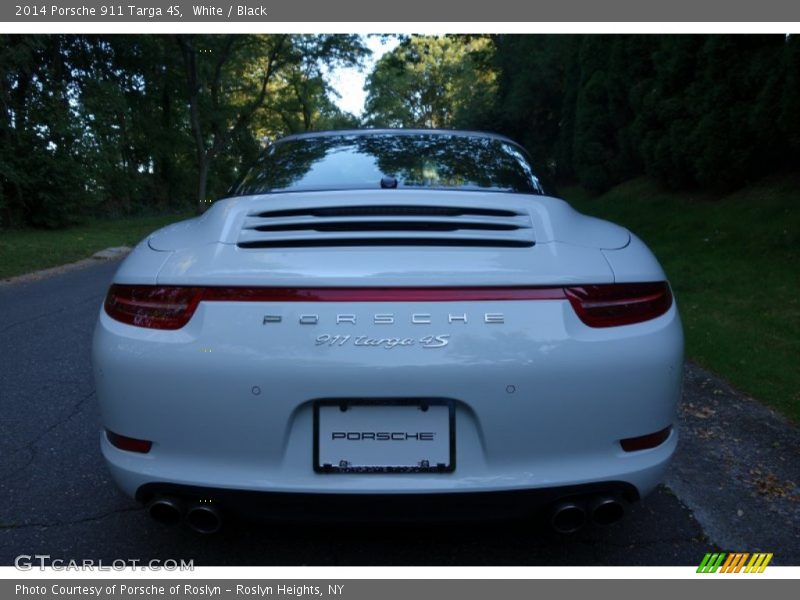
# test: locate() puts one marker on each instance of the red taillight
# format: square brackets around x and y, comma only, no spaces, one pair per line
[610,305]
[171,307]
[127,443]
[603,305]
[155,307]
[645,442]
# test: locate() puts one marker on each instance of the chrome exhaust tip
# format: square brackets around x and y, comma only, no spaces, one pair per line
[606,510]
[204,518]
[165,510]
[568,517]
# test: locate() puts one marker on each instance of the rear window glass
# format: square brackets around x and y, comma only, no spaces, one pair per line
[372,161]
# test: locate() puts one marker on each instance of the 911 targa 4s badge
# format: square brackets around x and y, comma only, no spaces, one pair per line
[378,318]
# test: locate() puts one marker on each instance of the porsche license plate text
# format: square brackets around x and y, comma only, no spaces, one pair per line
[383,438]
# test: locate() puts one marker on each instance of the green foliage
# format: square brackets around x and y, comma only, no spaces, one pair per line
[709,111]
[231,79]
[300,95]
[431,81]
[117,125]
[41,144]
[112,125]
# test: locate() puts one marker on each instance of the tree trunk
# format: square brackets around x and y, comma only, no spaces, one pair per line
[202,180]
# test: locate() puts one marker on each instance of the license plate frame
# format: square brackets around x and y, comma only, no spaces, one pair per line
[321,406]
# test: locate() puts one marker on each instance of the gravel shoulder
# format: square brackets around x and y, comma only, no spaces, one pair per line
[737,468]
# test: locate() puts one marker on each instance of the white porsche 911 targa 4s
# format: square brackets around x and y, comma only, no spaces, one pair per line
[389,319]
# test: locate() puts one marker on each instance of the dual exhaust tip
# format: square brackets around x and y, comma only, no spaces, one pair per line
[202,517]
[570,516]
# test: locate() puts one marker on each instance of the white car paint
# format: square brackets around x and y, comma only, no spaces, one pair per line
[541,400]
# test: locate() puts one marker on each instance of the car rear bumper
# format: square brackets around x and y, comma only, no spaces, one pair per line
[320,507]
[643,470]
[541,402]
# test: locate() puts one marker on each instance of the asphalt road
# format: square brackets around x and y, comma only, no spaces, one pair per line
[57,498]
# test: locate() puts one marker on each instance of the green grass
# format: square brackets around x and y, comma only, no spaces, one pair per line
[734,264]
[26,250]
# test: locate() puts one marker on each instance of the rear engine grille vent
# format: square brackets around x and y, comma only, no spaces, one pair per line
[386,226]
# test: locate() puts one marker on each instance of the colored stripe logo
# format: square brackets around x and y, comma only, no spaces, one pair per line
[734,562]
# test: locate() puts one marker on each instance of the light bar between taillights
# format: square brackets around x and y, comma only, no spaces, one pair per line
[597,305]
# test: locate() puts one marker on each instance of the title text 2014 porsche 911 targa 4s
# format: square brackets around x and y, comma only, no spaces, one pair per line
[389,318]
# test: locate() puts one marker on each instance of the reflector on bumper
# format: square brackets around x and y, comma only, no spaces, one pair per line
[645,442]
